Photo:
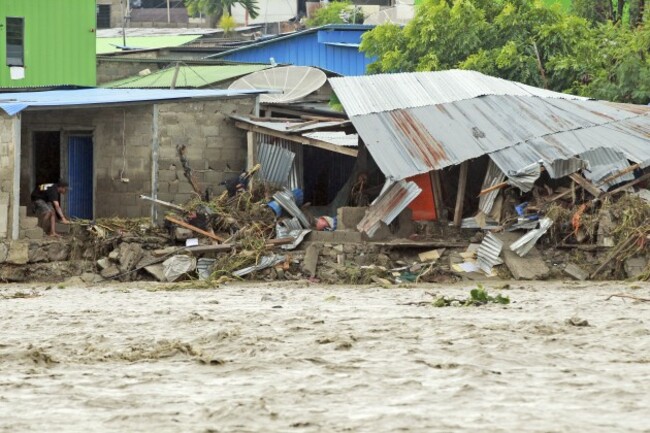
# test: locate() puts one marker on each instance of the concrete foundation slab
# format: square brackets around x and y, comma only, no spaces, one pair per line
[529,267]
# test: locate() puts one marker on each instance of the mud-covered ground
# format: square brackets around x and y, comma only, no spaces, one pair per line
[132,358]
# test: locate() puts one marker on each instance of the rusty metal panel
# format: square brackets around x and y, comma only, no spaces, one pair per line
[393,200]
[296,174]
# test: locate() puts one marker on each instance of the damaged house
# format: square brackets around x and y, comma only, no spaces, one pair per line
[113,145]
[456,138]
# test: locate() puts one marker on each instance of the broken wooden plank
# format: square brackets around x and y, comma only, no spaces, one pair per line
[586,185]
[163,203]
[193,228]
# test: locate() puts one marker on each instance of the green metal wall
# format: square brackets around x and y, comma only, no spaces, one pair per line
[59,42]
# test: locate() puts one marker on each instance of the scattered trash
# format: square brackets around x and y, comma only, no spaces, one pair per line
[264,262]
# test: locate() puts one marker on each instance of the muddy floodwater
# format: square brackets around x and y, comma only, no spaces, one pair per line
[132,358]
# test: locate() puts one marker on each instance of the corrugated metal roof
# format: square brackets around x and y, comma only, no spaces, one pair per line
[188,76]
[291,35]
[13,103]
[385,92]
[291,127]
[410,141]
[157,31]
[602,164]
[337,138]
[112,45]
[393,200]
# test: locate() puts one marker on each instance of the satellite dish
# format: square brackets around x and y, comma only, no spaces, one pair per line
[295,82]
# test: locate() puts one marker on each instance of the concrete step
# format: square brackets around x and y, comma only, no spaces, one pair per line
[22,211]
[33,233]
[27,223]
[63,228]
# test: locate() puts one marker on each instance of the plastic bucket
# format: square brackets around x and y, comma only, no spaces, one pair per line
[276,207]
[298,196]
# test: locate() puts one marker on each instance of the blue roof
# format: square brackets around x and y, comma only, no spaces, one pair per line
[13,103]
[334,47]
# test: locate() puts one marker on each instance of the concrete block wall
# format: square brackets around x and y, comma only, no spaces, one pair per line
[109,70]
[6,172]
[113,197]
[215,148]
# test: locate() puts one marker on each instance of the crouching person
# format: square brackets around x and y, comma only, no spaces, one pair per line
[46,203]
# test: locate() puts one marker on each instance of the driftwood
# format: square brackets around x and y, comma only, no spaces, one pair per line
[623,295]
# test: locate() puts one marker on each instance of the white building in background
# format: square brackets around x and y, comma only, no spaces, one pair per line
[271,11]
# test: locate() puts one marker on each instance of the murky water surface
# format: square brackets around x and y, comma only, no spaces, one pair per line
[321,359]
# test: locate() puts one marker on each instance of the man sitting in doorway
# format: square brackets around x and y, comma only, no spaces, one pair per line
[46,203]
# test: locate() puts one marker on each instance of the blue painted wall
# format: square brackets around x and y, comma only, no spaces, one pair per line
[319,48]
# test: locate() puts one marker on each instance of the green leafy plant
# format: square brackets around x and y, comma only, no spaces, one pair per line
[477,297]
[336,12]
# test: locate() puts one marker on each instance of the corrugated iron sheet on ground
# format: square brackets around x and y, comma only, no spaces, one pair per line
[388,205]
[264,262]
[285,199]
[526,243]
[488,253]
[385,92]
[276,164]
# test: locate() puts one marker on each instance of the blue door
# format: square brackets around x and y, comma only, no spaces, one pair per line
[80,169]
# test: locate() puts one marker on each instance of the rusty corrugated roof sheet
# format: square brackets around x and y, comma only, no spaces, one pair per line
[414,123]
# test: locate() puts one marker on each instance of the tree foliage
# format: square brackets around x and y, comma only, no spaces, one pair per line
[520,40]
[336,12]
[216,8]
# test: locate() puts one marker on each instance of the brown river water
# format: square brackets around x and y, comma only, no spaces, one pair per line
[267,358]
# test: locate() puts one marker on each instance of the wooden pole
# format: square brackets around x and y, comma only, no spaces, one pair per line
[460,195]
[175,77]
[194,229]
[437,193]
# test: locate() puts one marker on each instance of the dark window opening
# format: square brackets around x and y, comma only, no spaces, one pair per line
[15,41]
[103,16]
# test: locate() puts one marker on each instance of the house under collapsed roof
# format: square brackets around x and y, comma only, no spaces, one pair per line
[416,123]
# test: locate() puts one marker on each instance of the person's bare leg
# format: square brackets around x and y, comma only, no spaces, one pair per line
[52,219]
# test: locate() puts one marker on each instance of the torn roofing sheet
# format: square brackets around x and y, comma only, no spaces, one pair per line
[276,164]
[474,115]
[394,198]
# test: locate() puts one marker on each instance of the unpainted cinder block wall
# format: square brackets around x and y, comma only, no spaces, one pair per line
[215,148]
[6,172]
[122,141]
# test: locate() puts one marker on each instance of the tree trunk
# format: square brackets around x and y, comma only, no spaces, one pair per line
[619,12]
[213,20]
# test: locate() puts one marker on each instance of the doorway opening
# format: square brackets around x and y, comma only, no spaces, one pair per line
[47,157]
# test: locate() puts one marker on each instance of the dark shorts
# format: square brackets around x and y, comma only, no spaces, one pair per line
[41,207]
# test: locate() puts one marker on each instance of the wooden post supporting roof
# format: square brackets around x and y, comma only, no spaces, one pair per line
[460,195]
[437,195]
